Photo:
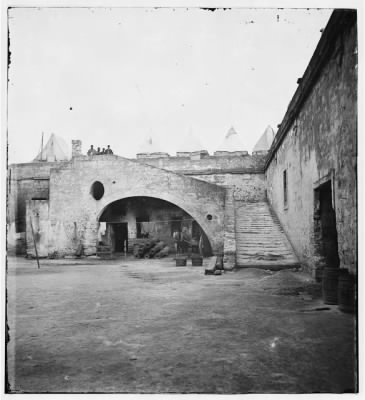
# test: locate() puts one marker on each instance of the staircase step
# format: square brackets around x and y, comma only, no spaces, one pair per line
[260,239]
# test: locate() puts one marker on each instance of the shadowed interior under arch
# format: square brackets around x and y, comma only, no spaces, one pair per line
[126,221]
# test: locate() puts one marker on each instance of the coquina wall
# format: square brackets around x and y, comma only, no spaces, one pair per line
[243,174]
[208,164]
[245,187]
[26,182]
[319,144]
[72,204]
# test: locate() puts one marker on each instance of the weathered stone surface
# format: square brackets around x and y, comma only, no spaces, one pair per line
[25,182]
[245,187]
[71,200]
[229,259]
[260,239]
[320,145]
[209,164]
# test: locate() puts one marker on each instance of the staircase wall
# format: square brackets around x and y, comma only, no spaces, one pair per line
[229,255]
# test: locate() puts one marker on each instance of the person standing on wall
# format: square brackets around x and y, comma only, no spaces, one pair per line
[108,150]
[91,151]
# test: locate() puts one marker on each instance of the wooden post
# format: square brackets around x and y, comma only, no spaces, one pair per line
[35,245]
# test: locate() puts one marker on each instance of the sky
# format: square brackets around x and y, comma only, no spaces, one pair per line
[120,75]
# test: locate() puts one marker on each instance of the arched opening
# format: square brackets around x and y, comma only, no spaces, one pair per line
[132,220]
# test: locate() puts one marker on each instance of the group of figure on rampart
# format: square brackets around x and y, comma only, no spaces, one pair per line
[93,152]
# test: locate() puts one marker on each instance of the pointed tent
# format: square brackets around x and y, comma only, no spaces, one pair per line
[148,146]
[265,141]
[232,143]
[55,149]
[190,143]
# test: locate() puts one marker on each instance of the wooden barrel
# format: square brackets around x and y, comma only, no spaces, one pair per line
[346,293]
[181,261]
[196,260]
[330,285]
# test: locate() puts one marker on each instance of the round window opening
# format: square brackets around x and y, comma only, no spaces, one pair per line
[209,217]
[97,190]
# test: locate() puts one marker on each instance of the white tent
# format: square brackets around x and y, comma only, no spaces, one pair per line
[190,143]
[232,142]
[55,149]
[265,141]
[149,146]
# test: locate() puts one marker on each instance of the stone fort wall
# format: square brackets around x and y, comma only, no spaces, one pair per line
[71,201]
[319,144]
[26,181]
[244,174]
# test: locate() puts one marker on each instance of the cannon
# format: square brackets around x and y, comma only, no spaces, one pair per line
[163,253]
[155,249]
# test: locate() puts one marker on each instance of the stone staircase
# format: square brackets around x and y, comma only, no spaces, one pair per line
[260,239]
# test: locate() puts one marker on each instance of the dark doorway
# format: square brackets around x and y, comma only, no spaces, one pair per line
[327,217]
[120,237]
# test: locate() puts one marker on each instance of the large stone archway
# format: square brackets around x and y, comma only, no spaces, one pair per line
[72,202]
[203,220]
[163,217]
[134,206]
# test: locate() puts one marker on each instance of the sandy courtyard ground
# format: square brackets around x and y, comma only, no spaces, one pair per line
[150,327]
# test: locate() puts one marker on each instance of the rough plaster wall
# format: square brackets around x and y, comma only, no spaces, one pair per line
[245,187]
[26,182]
[323,140]
[27,189]
[71,200]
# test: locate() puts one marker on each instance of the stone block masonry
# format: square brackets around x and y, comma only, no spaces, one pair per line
[318,144]
[71,200]
[209,164]
[244,186]
[243,174]
[26,182]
